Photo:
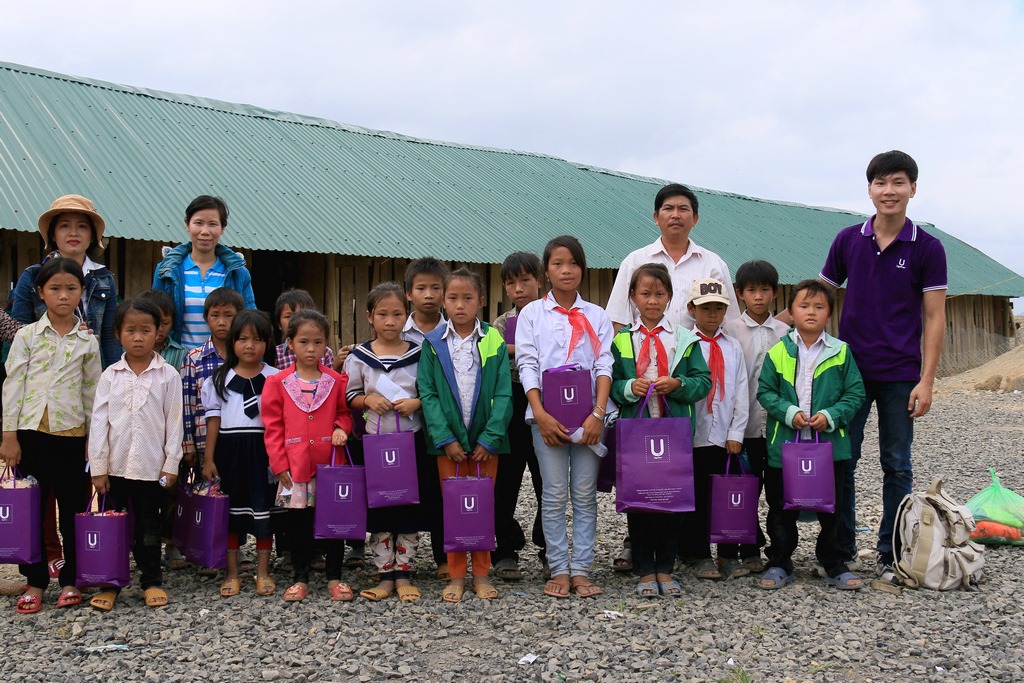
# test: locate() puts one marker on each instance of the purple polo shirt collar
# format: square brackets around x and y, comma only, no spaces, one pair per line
[907,234]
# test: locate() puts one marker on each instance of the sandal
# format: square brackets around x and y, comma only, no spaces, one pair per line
[155,597]
[556,588]
[733,569]
[341,592]
[508,570]
[408,593]
[29,604]
[442,572]
[69,599]
[707,569]
[230,588]
[485,591]
[755,564]
[296,593]
[671,589]
[265,585]
[585,588]
[647,589]
[174,559]
[104,601]
[624,562]
[453,592]
[356,558]
[776,578]
[847,581]
[375,594]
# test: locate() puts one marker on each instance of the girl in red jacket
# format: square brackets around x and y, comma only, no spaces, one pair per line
[306,416]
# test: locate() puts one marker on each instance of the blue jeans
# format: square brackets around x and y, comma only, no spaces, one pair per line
[568,472]
[895,436]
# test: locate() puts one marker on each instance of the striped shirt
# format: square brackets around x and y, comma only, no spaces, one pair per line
[194,331]
[200,364]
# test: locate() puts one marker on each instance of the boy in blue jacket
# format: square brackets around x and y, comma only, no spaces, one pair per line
[809,383]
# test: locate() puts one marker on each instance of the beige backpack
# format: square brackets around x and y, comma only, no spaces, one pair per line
[932,542]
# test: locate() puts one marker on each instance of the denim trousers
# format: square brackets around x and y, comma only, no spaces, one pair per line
[569,473]
[895,436]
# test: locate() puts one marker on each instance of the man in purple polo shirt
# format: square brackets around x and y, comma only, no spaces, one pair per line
[896,293]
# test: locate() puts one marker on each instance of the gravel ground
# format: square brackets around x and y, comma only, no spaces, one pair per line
[721,631]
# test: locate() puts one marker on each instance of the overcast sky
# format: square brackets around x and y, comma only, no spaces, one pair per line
[781,100]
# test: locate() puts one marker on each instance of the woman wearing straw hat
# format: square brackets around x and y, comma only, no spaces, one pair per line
[73,229]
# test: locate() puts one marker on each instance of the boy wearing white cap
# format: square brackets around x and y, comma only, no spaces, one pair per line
[720,421]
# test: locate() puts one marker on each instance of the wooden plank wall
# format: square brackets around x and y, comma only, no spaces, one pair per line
[978,328]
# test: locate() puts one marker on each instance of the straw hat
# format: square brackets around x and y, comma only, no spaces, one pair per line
[69,203]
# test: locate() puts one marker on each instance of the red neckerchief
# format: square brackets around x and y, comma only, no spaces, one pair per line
[716,363]
[580,326]
[643,360]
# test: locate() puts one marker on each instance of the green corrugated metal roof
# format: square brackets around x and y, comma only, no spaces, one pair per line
[296,183]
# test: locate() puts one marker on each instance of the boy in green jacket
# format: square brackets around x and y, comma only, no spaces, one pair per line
[465,385]
[809,383]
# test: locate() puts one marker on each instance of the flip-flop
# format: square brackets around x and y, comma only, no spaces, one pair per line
[174,560]
[408,593]
[69,599]
[103,601]
[647,589]
[375,594]
[296,593]
[586,588]
[265,585]
[707,569]
[671,589]
[341,592]
[29,604]
[778,577]
[230,588]
[356,558]
[508,570]
[754,564]
[557,589]
[624,562]
[453,593]
[155,597]
[845,582]
[485,591]
[733,569]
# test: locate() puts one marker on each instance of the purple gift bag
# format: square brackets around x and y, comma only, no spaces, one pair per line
[808,476]
[654,463]
[510,329]
[567,396]
[180,514]
[20,522]
[732,504]
[390,467]
[103,541]
[340,507]
[208,531]
[606,471]
[468,513]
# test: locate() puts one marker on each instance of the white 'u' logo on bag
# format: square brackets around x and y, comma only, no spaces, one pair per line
[5,513]
[93,540]
[568,394]
[736,500]
[807,466]
[199,517]
[469,505]
[660,450]
[343,491]
[390,457]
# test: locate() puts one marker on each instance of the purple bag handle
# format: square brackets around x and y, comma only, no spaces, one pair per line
[728,465]
[643,404]
[348,455]
[398,424]
[562,368]
[103,503]
[14,474]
